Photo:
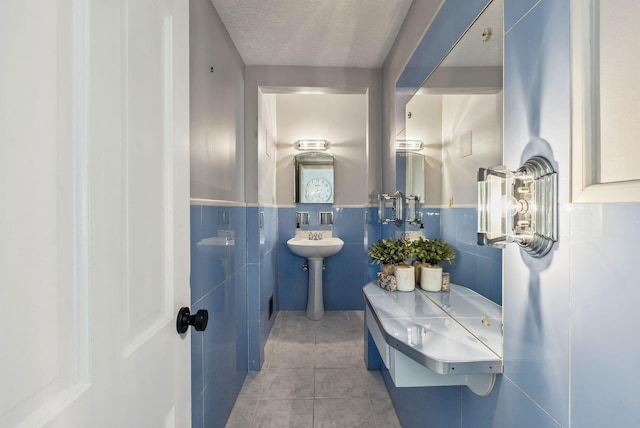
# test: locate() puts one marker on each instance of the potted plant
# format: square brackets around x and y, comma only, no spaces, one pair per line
[392,253]
[430,255]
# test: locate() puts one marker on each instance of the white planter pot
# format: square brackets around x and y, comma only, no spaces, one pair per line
[405,277]
[431,278]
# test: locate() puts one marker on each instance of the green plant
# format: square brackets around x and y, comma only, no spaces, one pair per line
[433,251]
[391,251]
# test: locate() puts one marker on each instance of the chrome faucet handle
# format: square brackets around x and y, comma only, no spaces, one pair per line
[311,235]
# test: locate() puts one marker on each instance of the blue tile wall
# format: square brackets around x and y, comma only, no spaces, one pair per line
[256,355]
[435,407]
[536,291]
[254,236]
[515,10]
[537,294]
[373,232]
[224,349]
[346,272]
[506,407]
[604,301]
[559,329]
[219,284]
[262,239]
[476,267]
[430,223]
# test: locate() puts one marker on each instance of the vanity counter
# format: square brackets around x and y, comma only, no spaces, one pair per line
[419,333]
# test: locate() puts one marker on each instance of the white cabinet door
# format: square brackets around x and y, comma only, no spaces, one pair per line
[94,223]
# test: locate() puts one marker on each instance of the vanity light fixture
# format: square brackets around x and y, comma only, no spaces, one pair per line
[519,206]
[312,145]
[412,145]
[397,208]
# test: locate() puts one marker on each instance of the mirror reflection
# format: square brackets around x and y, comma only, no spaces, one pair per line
[410,173]
[457,115]
[313,182]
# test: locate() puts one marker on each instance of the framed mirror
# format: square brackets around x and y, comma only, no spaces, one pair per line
[456,112]
[313,181]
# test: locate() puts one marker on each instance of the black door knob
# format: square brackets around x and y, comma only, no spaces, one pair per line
[185,319]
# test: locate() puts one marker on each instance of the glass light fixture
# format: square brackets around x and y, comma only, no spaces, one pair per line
[519,206]
[397,208]
[312,145]
[403,145]
[414,216]
[398,201]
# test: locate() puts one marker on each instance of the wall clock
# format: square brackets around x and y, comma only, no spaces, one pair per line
[318,189]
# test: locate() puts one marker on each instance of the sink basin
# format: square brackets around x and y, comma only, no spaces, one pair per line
[217,246]
[315,249]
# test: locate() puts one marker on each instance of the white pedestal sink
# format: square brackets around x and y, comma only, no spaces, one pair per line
[315,251]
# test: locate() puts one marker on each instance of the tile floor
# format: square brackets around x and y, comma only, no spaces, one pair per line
[314,376]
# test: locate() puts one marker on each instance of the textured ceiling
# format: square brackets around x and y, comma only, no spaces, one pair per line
[338,33]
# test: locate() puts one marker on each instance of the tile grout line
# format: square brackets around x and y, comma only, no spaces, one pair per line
[313,409]
[315,368]
[333,332]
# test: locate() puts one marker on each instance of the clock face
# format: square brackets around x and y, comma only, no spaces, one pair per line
[318,190]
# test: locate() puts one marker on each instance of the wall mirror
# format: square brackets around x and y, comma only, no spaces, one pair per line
[410,180]
[313,181]
[457,114]
[455,108]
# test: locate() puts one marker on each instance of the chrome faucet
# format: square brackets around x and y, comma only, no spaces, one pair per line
[229,237]
[315,236]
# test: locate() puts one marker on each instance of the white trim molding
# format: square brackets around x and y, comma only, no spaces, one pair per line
[586,186]
[215,202]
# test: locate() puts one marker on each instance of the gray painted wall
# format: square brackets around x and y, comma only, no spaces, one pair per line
[284,79]
[217,108]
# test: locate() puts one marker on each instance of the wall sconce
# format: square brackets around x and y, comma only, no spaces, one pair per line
[398,201]
[397,208]
[519,206]
[414,216]
[312,145]
[404,145]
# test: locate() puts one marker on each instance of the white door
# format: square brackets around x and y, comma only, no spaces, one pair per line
[94,222]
